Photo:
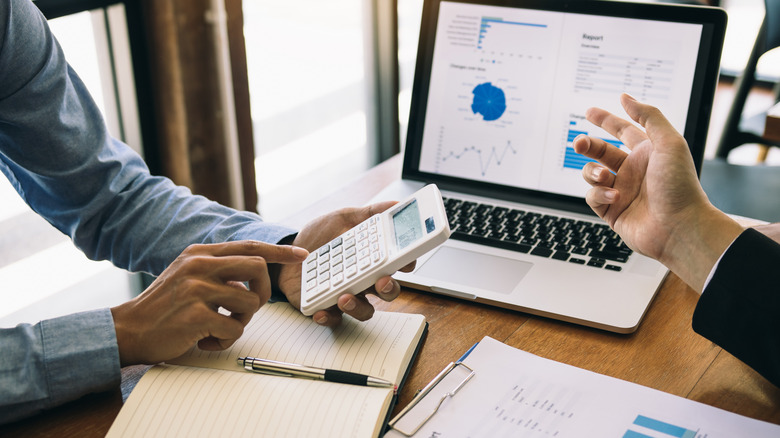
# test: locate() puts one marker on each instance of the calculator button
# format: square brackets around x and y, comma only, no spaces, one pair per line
[324,286]
[375,257]
[337,268]
[349,234]
[362,235]
[311,264]
[349,261]
[311,275]
[323,268]
[336,251]
[324,250]
[324,258]
[350,252]
[364,263]
[336,242]
[351,271]
[336,260]
[337,279]
[362,245]
[311,284]
[363,226]
[363,254]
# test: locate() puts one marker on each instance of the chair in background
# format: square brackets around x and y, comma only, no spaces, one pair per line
[752,191]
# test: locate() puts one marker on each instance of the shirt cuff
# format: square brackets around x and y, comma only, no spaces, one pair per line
[715,266]
[80,355]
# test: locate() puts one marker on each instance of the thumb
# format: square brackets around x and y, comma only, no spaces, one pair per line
[358,215]
[372,209]
[656,125]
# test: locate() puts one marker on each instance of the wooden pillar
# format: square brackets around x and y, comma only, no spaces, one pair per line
[198,132]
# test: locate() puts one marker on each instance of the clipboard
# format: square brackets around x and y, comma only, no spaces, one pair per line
[520,394]
[414,416]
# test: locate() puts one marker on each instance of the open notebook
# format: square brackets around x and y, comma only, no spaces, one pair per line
[208,394]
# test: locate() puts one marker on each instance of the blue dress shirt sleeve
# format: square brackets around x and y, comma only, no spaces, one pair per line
[55,361]
[55,150]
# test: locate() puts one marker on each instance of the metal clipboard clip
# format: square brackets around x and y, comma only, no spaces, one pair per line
[424,392]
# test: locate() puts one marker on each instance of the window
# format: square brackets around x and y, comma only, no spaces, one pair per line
[308,96]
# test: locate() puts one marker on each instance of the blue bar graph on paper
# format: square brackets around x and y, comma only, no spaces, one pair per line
[632,434]
[659,426]
[573,160]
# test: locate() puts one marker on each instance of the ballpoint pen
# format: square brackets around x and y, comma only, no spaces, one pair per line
[276,368]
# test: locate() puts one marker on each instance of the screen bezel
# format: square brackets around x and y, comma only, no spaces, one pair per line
[713,21]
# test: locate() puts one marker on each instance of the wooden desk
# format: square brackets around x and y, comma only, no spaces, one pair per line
[664,353]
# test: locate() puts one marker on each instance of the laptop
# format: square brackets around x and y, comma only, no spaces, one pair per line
[500,91]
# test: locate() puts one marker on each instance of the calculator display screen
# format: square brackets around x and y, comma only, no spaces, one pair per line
[407,225]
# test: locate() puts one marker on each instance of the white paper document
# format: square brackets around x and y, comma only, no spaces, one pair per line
[517,394]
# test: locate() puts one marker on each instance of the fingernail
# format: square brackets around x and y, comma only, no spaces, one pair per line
[630,96]
[349,305]
[596,173]
[321,319]
[388,287]
[300,252]
[610,195]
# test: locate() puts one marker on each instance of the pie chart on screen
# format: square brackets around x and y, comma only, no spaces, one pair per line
[489,101]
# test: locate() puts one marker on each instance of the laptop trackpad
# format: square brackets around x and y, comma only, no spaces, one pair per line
[472,269]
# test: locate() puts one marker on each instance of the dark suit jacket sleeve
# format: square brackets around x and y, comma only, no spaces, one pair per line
[740,308]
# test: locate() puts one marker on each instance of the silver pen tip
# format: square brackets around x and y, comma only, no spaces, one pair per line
[241,360]
[375,381]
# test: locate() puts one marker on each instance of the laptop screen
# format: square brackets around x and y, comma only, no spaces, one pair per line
[504,89]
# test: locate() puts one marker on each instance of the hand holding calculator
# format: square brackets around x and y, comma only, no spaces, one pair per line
[376,247]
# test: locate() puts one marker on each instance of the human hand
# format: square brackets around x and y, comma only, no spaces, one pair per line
[180,308]
[321,231]
[652,197]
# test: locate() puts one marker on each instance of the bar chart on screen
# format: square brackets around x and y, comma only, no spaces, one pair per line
[573,160]
[497,35]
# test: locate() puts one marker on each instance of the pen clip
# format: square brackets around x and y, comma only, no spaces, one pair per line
[249,362]
[268,372]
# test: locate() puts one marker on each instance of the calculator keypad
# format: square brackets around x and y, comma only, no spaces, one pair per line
[344,258]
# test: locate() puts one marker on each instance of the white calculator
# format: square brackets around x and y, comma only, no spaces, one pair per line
[376,247]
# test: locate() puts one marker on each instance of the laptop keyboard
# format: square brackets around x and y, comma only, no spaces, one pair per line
[564,239]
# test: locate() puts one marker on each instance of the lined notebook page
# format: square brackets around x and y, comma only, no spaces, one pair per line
[199,402]
[380,347]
